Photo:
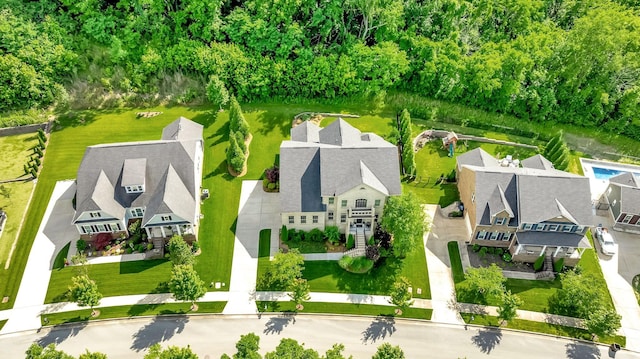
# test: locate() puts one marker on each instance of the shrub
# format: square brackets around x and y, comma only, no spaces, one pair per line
[102,240]
[499,251]
[332,234]
[128,251]
[299,236]
[475,248]
[271,185]
[383,236]
[356,265]
[558,265]
[272,174]
[284,236]
[351,242]
[373,253]
[507,257]
[195,246]
[315,235]
[81,245]
[482,252]
[149,246]
[491,250]
[107,247]
[537,265]
[140,247]
[291,233]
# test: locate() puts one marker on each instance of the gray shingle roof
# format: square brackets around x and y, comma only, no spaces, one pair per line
[170,196]
[101,173]
[625,179]
[134,171]
[477,157]
[538,162]
[309,171]
[306,132]
[554,239]
[183,129]
[630,200]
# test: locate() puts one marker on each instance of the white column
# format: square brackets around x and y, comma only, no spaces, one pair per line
[148,232]
[519,249]
[162,231]
[178,229]
[544,248]
[557,251]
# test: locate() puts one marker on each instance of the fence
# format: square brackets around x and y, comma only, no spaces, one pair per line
[19,130]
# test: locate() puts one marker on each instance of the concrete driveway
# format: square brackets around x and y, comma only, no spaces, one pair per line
[618,271]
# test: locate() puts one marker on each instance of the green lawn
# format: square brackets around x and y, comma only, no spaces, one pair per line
[58,262]
[539,327]
[123,278]
[2,323]
[456,263]
[307,246]
[263,252]
[346,308]
[131,311]
[327,276]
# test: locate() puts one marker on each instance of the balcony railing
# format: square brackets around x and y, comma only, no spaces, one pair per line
[361,212]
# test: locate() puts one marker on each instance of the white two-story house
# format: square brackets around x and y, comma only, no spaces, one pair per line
[336,176]
[155,182]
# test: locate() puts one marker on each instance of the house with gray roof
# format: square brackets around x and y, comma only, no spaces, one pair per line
[623,199]
[154,182]
[533,210]
[336,176]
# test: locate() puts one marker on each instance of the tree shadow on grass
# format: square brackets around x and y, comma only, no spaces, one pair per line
[160,329]
[487,339]
[139,266]
[60,333]
[275,325]
[579,350]
[380,328]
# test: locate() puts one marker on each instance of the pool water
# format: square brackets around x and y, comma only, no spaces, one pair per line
[606,173]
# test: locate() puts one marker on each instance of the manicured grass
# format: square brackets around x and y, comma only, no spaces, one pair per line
[264,243]
[132,311]
[534,293]
[346,308]
[590,265]
[308,246]
[139,277]
[327,276]
[2,323]
[58,262]
[456,263]
[15,154]
[540,327]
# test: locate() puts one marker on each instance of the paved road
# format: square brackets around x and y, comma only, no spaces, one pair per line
[210,336]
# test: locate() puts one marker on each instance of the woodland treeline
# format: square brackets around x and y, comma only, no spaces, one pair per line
[570,61]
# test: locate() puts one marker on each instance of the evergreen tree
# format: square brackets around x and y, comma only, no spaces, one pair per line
[235,157]
[237,121]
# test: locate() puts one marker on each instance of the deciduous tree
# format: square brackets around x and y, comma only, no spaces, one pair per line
[179,251]
[484,282]
[171,352]
[400,295]
[603,321]
[508,306]
[217,92]
[388,351]
[405,219]
[185,284]
[284,270]
[84,291]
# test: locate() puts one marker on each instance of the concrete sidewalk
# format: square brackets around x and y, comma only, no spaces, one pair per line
[55,232]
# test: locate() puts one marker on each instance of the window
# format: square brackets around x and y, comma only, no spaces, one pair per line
[303,219]
[315,219]
[500,221]
[567,228]
[330,215]
[137,212]
[361,203]
[473,197]
[526,226]
[615,201]
[494,236]
[481,235]
[609,190]
[343,218]
[166,218]
[538,227]
[134,189]
[627,218]
[552,228]
[331,200]
[95,214]
[507,236]
[377,203]
[291,220]
[344,203]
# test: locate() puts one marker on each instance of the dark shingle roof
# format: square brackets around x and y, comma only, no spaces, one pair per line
[310,170]
[554,239]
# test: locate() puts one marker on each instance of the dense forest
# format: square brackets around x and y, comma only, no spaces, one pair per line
[571,61]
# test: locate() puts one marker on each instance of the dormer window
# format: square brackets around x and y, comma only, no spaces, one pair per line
[134,189]
[137,212]
[95,214]
[166,218]
[500,221]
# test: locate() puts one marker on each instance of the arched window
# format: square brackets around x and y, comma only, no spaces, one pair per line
[361,203]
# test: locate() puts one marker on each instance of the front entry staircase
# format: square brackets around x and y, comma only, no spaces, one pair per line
[361,243]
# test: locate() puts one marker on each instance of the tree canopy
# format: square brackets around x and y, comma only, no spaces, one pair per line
[84,291]
[388,351]
[185,284]
[405,219]
[171,352]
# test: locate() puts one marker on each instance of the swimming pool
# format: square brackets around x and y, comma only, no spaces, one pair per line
[606,173]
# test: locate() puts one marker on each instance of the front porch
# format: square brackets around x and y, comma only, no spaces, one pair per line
[187,231]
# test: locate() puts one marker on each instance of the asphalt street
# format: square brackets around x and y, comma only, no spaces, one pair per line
[210,336]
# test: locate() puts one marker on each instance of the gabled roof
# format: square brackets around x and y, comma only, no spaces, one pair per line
[498,203]
[306,132]
[538,162]
[171,196]
[105,167]
[133,171]
[630,200]
[477,157]
[183,129]
[310,170]
[625,179]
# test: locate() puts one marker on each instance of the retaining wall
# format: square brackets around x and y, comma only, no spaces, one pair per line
[19,130]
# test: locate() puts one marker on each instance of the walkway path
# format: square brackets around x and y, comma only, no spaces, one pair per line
[54,233]
[257,210]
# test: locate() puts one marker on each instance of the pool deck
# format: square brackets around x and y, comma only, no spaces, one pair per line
[598,186]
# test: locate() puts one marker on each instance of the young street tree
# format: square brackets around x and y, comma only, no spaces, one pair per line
[36,351]
[405,219]
[290,348]
[579,296]
[217,92]
[400,295]
[84,291]
[508,307]
[603,321]
[247,347]
[484,282]
[185,284]
[172,352]
[388,351]
[300,290]
[284,270]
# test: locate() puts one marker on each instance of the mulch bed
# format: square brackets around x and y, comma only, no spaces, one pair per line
[476,262]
